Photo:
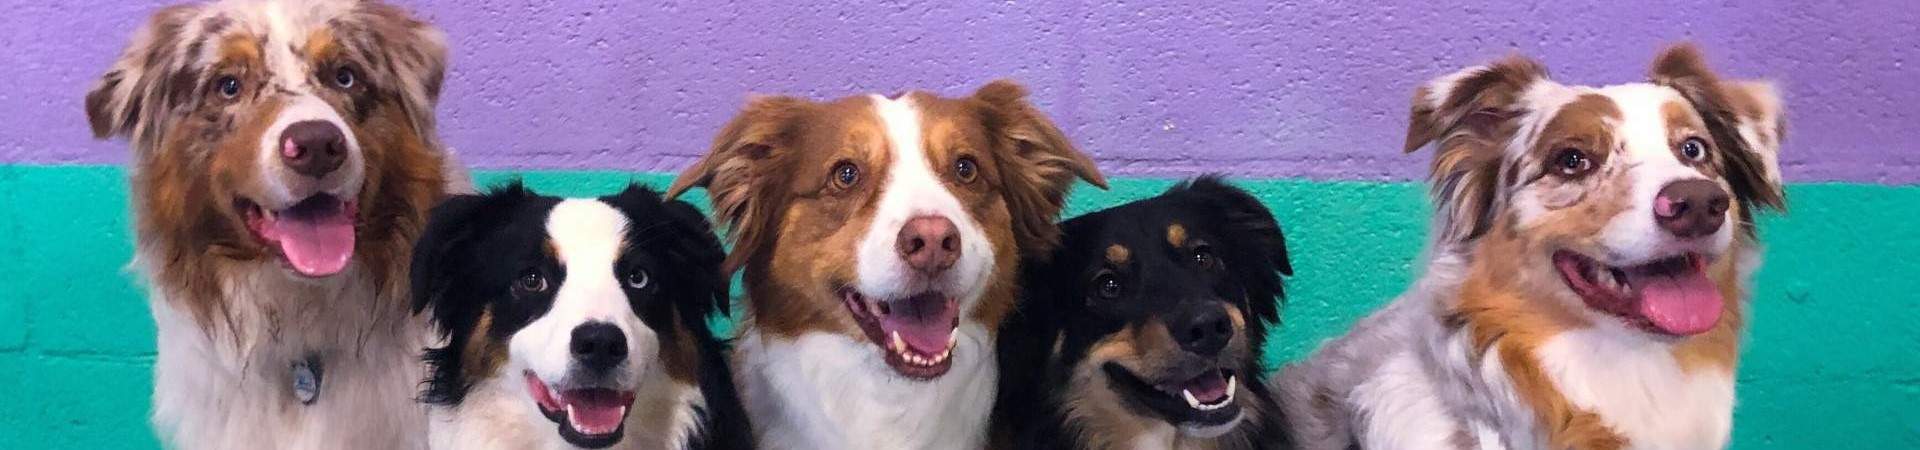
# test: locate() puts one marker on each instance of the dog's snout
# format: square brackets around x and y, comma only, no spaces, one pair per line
[598,346]
[1203,330]
[1691,208]
[313,148]
[929,244]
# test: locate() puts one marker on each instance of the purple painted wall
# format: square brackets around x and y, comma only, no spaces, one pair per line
[1284,88]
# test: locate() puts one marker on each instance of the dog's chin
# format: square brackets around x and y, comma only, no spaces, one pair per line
[1202,404]
[313,237]
[916,333]
[1671,296]
[586,417]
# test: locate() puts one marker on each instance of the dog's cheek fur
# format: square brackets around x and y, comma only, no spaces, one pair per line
[1470,114]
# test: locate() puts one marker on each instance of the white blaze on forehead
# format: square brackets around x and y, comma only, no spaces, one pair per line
[914,188]
[588,238]
[1646,141]
[281,28]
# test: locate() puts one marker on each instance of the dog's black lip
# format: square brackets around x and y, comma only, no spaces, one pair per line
[1169,407]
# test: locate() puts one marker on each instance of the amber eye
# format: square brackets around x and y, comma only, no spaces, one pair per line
[1694,149]
[1203,256]
[228,86]
[344,77]
[530,282]
[845,174]
[966,169]
[1106,285]
[1572,162]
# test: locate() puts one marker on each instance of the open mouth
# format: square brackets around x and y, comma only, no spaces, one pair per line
[1671,296]
[916,333]
[315,235]
[587,417]
[1203,399]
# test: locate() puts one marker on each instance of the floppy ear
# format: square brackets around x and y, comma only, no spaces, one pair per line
[740,175]
[687,240]
[1258,251]
[1744,119]
[1040,164]
[408,56]
[148,80]
[446,245]
[1472,114]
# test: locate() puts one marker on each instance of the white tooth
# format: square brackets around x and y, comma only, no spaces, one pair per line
[899,345]
[1193,402]
[571,419]
[952,338]
[1232,385]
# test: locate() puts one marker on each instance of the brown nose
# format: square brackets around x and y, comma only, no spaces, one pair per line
[313,148]
[1691,208]
[929,244]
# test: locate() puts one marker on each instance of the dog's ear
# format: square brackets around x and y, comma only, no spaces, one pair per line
[398,53]
[1257,253]
[148,80]
[687,241]
[1744,119]
[742,174]
[445,247]
[1471,115]
[1040,163]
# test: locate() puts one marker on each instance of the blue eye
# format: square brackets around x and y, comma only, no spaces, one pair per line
[638,279]
[344,77]
[228,86]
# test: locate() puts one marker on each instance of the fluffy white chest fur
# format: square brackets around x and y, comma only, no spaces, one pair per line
[1639,389]
[232,388]
[825,390]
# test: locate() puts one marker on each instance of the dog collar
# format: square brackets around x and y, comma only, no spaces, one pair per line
[307,375]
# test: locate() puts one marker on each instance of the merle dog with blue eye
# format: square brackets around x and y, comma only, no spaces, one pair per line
[575,323]
[1145,328]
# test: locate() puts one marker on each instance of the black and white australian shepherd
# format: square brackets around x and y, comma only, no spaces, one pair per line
[880,238]
[284,160]
[1145,329]
[1587,283]
[575,323]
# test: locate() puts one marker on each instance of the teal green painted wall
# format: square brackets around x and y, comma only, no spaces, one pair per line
[1833,359]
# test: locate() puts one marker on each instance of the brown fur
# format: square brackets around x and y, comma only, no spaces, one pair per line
[1099,415]
[1470,126]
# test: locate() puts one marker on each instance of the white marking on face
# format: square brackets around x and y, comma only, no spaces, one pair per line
[1544,100]
[588,237]
[282,28]
[1647,151]
[914,188]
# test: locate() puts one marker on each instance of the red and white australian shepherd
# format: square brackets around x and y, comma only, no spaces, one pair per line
[880,238]
[1587,281]
[283,163]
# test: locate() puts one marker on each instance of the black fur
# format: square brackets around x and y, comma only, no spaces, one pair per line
[476,245]
[1061,304]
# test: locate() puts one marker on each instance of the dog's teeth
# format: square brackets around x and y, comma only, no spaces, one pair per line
[1232,385]
[898,345]
[1193,402]
[952,338]
[571,418]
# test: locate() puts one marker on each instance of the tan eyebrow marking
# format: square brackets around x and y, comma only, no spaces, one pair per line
[1118,254]
[1177,235]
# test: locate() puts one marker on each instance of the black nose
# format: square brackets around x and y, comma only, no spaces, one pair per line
[1203,330]
[1691,208]
[599,346]
[313,148]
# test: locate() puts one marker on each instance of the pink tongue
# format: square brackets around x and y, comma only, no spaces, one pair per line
[925,322]
[1684,304]
[595,411]
[1208,388]
[317,245]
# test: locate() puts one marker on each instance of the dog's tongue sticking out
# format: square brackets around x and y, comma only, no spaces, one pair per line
[924,322]
[1679,299]
[316,235]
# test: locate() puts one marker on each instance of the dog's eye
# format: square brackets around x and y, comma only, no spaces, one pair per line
[1694,149]
[344,77]
[965,169]
[1107,285]
[845,174]
[228,86]
[530,282]
[1572,162]
[1203,256]
[638,279]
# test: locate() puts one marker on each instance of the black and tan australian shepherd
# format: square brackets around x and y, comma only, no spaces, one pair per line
[575,323]
[1145,329]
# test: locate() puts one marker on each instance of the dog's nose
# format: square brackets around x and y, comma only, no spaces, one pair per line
[929,244]
[1691,208]
[1202,330]
[598,346]
[313,148]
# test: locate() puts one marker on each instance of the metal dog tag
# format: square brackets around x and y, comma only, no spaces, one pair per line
[306,379]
